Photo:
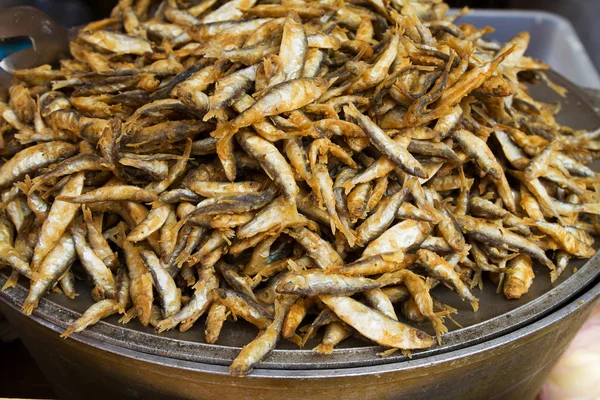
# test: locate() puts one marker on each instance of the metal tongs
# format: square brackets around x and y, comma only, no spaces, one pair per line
[50,41]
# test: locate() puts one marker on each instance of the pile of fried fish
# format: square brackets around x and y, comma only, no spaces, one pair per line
[329,160]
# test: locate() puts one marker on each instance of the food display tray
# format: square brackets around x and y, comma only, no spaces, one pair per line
[552,40]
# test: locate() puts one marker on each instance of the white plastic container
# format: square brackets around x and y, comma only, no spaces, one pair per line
[553,40]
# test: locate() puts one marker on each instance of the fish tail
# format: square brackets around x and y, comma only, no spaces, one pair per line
[439,328]
[302,124]
[28,307]
[348,186]
[144,314]
[396,257]
[502,56]
[332,225]
[432,211]
[87,213]
[350,236]
[391,351]
[592,208]
[187,324]
[11,282]
[71,329]
[179,260]
[224,130]
[128,315]
[71,296]
[210,337]
[155,204]
[26,186]
[480,283]
[324,348]
[228,234]
[217,113]
[118,236]
[165,325]
[529,221]
[351,110]
[23,138]
[225,154]
[464,183]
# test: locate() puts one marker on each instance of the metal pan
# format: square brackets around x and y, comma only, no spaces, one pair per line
[512,366]
[497,316]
